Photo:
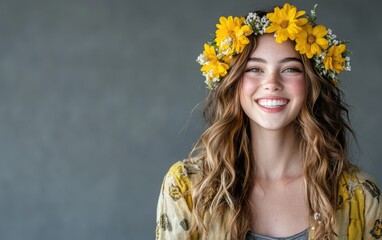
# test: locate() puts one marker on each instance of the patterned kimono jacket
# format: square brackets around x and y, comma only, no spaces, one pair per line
[359,215]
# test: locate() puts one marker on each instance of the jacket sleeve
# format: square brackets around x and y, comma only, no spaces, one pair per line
[373,209]
[174,205]
[359,213]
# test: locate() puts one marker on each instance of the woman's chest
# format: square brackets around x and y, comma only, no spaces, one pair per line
[279,211]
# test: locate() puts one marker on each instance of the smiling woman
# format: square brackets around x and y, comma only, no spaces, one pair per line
[273,82]
[272,162]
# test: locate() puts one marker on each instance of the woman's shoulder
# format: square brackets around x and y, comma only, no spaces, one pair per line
[359,210]
[359,179]
[359,183]
[180,178]
[364,176]
[187,167]
[174,207]
[185,172]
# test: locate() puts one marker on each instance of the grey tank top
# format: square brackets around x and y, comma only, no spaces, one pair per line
[304,235]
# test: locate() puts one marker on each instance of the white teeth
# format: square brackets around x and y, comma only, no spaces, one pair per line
[271,103]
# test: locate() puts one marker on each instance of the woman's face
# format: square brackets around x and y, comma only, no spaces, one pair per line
[273,87]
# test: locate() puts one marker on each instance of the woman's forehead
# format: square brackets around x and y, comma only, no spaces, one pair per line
[266,47]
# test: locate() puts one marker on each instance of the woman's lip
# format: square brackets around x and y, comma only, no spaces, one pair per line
[272,104]
[271,98]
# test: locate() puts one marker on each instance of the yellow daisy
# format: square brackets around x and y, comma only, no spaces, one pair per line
[285,22]
[311,40]
[231,35]
[214,68]
[333,59]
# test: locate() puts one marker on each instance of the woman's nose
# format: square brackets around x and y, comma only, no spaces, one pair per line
[272,83]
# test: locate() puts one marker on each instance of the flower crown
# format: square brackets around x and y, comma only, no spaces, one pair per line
[329,54]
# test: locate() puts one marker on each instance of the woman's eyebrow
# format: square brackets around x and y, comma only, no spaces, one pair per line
[289,59]
[284,60]
[255,59]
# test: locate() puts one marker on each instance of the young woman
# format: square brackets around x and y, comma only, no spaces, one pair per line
[272,163]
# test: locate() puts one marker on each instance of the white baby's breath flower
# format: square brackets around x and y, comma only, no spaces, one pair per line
[202,59]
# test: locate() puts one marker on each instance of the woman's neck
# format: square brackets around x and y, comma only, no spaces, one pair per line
[276,153]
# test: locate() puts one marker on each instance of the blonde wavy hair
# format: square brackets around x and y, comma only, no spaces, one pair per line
[225,150]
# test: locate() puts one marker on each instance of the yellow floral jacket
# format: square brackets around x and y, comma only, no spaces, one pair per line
[359,215]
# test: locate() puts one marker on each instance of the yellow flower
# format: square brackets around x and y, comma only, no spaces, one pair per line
[214,68]
[285,22]
[231,35]
[333,59]
[311,41]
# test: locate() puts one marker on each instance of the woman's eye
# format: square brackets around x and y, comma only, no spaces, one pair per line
[292,70]
[253,70]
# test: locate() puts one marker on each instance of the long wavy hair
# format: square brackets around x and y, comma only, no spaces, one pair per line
[225,150]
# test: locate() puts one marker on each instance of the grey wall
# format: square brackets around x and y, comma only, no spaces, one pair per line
[96,99]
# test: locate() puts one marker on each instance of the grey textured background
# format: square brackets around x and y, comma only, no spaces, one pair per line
[96,99]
